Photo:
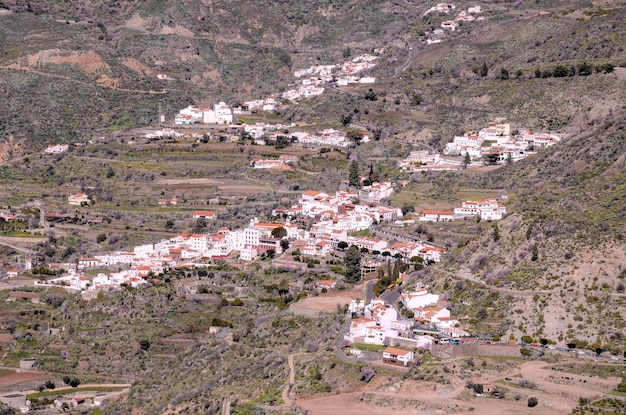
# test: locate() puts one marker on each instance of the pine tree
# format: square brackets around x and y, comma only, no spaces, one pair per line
[496,232]
[466,160]
[353,174]
[529,231]
[352,262]
[484,70]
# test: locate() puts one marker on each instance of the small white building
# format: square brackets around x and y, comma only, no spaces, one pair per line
[396,356]
[78,199]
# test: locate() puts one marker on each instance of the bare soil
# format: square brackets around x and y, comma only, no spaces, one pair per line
[326,303]
[15,378]
[392,396]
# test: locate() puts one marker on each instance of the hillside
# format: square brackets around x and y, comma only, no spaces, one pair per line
[192,340]
[557,265]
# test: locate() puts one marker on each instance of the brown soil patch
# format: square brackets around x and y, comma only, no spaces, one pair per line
[108,82]
[325,303]
[15,378]
[391,396]
[176,30]
[11,149]
[88,61]
[137,66]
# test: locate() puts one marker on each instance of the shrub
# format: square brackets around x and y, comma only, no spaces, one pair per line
[367,373]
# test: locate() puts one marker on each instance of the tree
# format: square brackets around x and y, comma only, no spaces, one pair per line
[543,342]
[284,244]
[571,345]
[200,225]
[478,388]
[584,69]
[279,232]
[496,232]
[342,245]
[144,344]
[519,74]
[50,385]
[74,382]
[484,70]
[101,237]
[66,380]
[169,224]
[532,402]
[370,95]
[560,71]
[407,208]
[347,52]
[466,160]
[355,136]
[529,231]
[509,159]
[346,119]
[352,262]
[504,74]
[237,302]
[353,174]
[599,350]
[110,172]
[535,253]
[367,373]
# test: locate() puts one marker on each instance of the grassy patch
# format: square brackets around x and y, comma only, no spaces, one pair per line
[56,392]
[370,347]
[23,235]
[142,166]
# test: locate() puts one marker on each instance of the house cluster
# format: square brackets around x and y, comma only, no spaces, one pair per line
[76,281]
[338,215]
[441,8]
[380,323]
[57,149]
[315,77]
[219,114]
[328,137]
[344,74]
[162,133]
[274,164]
[467,16]
[283,162]
[424,160]
[487,209]
[497,141]
[8,216]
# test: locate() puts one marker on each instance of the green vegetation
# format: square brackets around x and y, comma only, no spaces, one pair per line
[60,392]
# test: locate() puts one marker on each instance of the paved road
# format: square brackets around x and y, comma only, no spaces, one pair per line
[391,297]
[406,64]
[345,328]
[369,291]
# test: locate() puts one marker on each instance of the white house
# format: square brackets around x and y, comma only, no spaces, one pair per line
[78,199]
[220,114]
[449,25]
[487,209]
[433,215]
[57,149]
[418,299]
[396,356]
[203,214]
